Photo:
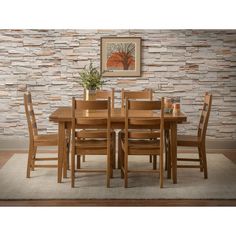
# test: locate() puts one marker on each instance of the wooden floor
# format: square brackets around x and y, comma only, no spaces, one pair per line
[230,154]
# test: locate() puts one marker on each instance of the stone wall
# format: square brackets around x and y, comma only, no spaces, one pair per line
[183,63]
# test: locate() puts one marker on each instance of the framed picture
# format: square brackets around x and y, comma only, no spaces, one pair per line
[120,56]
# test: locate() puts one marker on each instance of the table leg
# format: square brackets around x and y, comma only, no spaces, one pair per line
[61,141]
[174,151]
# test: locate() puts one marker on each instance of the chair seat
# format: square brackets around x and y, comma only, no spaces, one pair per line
[188,140]
[46,140]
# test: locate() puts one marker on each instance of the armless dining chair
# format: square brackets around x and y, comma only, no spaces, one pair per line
[100,95]
[199,140]
[104,94]
[99,144]
[142,136]
[38,140]
[146,94]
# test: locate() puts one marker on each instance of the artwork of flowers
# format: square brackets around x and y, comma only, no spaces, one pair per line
[120,56]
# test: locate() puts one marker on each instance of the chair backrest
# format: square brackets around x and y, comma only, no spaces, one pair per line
[105,94]
[202,127]
[29,111]
[91,115]
[144,94]
[135,121]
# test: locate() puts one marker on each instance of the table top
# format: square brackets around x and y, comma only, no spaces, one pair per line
[64,114]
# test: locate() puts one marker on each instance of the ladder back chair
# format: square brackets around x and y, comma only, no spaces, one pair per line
[83,143]
[37,140]
[199,140]
[101,95]
[143,136]
[104,95]
[146,94]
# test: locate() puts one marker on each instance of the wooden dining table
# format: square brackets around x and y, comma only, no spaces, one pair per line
[63,117]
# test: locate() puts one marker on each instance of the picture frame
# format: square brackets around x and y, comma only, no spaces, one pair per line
[120,56]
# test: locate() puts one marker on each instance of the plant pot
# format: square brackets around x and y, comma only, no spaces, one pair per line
[90,95]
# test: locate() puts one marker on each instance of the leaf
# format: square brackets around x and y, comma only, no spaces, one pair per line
[90,77]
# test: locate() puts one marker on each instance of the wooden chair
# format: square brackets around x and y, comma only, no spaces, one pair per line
[142,136]
[101,95]
[146,94]
[99,144]
[199,140]
[36,140]
[104,94]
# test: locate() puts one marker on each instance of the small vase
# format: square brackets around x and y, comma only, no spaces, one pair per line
[90,95]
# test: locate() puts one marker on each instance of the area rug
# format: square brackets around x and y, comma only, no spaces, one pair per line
[221,183]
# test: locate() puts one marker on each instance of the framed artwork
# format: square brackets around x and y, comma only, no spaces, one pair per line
[120,56]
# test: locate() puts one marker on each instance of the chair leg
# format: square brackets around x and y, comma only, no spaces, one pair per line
[154,162]
[161,170]
[68,155]
[29,163]
[113,151]
[126,170]
[65,161]
[83,156]
[111,163]
[169,166]
[78,162]
[68,138]
[108,169]
[168,153]
[203,149]
[33,158]
[166,138]
[122,163]
[200,158]
[72,170]
[150,158]
[119,151]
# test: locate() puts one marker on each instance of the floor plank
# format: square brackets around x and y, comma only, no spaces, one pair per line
[119,202]
[5,156]
[230,154]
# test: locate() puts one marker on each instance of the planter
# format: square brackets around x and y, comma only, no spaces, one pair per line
[90,95]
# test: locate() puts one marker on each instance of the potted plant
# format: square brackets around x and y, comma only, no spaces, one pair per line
[91,80]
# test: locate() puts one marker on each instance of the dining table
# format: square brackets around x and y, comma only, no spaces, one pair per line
[63,117]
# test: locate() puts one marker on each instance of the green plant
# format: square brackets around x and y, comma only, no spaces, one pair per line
[90,78]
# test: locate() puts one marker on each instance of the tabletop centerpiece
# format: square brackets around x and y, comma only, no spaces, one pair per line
[91,80]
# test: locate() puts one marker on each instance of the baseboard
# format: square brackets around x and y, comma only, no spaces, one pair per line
[21,143]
